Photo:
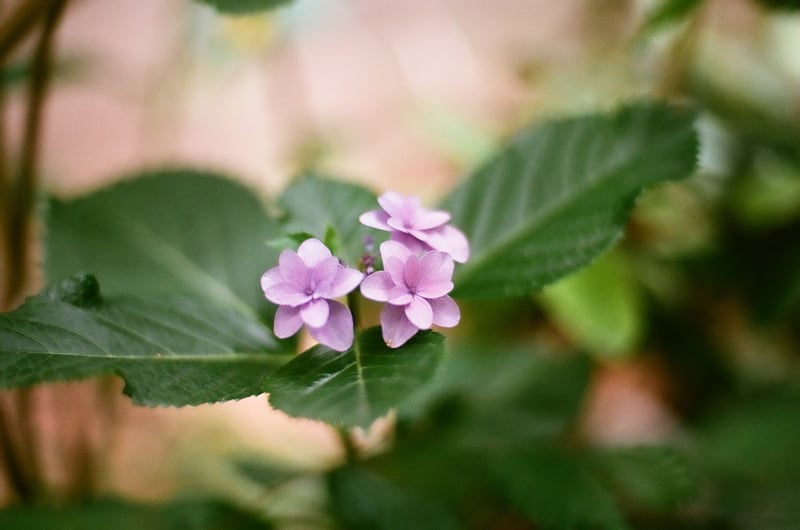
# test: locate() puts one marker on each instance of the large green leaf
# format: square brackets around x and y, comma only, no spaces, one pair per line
[560,194]
[170,231]
[313,205]
[356,386]
[186,514]
[169,351]
[243,7]
[366,501]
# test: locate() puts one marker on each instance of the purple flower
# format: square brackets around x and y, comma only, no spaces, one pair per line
[417,228]
[415,289]
[304,285]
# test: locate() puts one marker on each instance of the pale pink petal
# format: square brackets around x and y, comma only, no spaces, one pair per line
[271,278]
[401,225]
[375,219]
[394,268]
[315,313]
[342,282]
[451,240]
[287,322]
[376,286]
[396,327]
[337,332]
[395,204]
[413,244]
[322,275]
[293,268]
[445,312]
[427,219]
[435,271]
[286,294]
[313,251]
[395,249]
[419,312]
[399,296]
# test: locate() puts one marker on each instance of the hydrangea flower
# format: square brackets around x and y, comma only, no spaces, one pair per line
[416,227]
[304,285]
[415,291]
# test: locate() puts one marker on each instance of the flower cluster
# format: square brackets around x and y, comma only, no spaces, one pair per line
[418,264]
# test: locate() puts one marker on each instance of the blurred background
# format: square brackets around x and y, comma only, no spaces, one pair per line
[694,314]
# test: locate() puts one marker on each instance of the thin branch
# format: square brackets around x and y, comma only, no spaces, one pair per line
[18,25]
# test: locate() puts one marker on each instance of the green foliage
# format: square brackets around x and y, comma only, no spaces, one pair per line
[168,231]
[599,307]
[781,5]
[560,194]
[169,350]
[188,514]
[244,7]
[669,12]
[365,501]
[315,205]
[356,386]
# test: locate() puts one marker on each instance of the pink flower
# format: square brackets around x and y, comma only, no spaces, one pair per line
[415,289]
[304,285]
[417,228]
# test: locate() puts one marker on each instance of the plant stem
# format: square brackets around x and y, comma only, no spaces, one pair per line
[21,207]
[18,25]
[355,309]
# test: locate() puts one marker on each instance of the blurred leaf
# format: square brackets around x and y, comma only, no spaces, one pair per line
[670,12]
[780,5]
[356,386]
[123,515]
[769,195]
[554,491]
[169,350]
[168,231]
[659,478]
[244,7]
[599,307]
[316,205]
[560,195]
[363,500]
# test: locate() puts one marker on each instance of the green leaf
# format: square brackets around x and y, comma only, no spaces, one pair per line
[356,386]
[659,478]
[315,205]
[363,500]
[187,514]
[670,12]
[170,351]
[244,7]
[554,491]
[599,307]
[560,194]
[169,231]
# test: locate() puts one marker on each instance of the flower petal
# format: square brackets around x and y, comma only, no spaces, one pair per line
[419,312]
[337,332]
[445,312]
[398,205]
[451,240]
[377,286]
[313,251]
[413,244]
[286,294]
[322,275]
[435,273]
[396,327]
[315,313]
[287,322]
[399,296]
[271,278]
[375,219]
[394,256]
[344,280]
[293,268]
[427,219]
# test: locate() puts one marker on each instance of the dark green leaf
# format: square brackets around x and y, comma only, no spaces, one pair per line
[316,205]
[781,5]
[362,500]
[669,12]
[121,515]
[560,194]
[356,386]
[554,491]
[243,7]
[658,478]
[169,351]
[171,231]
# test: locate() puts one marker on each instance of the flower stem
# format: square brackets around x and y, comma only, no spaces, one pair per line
[354,304]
